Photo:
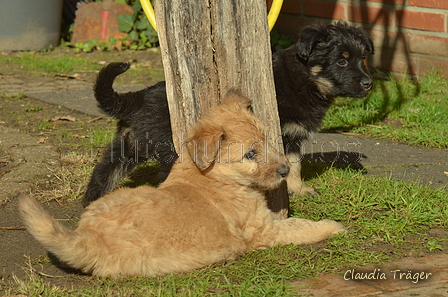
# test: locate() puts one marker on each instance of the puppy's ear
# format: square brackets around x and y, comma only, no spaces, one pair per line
[236,98]
[309,37]
[367,40]
[204,145]
[359,33]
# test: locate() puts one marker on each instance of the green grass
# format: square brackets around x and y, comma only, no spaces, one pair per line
[34,61]
[64,62]
[414,112]
[87,138]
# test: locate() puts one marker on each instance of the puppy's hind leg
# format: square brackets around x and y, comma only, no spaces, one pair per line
[117,161]
[166,156]
[105,177]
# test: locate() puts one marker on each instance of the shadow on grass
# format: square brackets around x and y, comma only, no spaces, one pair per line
[313,166]
[389,95]
[388,104]
[146,174]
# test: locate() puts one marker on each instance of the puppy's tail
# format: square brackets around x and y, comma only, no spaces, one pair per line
[64,243]
[112,103]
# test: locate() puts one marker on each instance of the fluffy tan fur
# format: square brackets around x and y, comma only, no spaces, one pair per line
[211,208]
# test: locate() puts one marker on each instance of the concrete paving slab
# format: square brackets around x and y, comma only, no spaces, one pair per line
[80,100]
[405,162]
[30,160]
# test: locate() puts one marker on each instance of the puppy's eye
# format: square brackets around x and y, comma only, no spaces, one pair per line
[363,57]
[250,155]
[343,63]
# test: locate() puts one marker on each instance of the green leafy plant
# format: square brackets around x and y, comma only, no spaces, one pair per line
[140,32]
[279,41]
[93,44]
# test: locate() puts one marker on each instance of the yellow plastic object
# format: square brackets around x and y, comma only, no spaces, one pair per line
[274,12]
[149,11]
[272,16]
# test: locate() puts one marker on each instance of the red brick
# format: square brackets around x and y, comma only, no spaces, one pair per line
[291,6]
[397,41]
[289,25]
[443,4]
[425,66]
[324,9]
[421,20]
[370,15]
[394,60]
[428,45]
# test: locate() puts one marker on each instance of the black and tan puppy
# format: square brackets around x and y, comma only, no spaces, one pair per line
[327,61]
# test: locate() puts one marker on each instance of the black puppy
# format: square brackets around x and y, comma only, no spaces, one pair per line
[327,61]
[143,132]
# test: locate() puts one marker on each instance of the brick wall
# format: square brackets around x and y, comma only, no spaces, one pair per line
[410,36]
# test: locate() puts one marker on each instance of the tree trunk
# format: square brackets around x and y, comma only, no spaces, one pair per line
[209,47]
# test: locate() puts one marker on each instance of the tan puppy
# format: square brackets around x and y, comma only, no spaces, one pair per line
[211,208]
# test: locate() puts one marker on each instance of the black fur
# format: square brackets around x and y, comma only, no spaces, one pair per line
[303,94]
[143,132]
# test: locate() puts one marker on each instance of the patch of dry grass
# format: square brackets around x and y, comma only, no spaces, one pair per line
[69,181]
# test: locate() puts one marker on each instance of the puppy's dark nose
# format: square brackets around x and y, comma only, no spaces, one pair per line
[283,170]
[366,84]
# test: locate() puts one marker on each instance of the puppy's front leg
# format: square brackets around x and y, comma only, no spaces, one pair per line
[294,179]
[302,231]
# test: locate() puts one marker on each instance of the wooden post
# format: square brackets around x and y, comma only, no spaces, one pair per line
[209,47]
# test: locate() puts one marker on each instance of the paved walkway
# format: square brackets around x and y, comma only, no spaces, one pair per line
[426,276]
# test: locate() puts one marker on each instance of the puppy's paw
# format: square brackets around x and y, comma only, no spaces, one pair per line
[302,190]
[280,215]
[333,227]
